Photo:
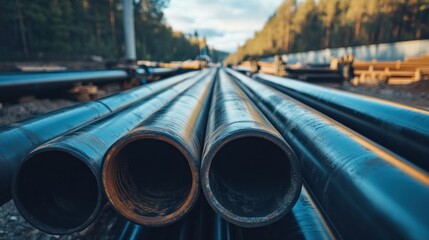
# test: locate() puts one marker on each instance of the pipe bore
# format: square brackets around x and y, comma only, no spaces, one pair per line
[53,184]
[248,174]
[250,180]
[149,180]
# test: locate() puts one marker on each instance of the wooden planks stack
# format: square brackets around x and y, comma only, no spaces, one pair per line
[394,72]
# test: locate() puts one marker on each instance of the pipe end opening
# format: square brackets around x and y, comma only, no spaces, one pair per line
[252,179]
[149,181]
[56,191]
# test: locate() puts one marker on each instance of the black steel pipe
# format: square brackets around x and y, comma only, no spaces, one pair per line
[18,139]
[151,175]
[181,230]
[209,225]
[201,223]
[58,187]
[162,71]
[156,71]
[249,174]
[244,70]
[366,190]
[306,221]
[196,225]
[400,128]
[30,83]
[123,99]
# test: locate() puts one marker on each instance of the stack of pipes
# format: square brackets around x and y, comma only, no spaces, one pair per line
[216,154]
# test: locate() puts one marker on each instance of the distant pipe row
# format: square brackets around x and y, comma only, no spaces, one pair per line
[16,84]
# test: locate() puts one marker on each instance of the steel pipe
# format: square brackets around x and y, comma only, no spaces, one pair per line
[30,83]
[366,190]
[156,71]
[18,139]
[58,187]
[209,225]
[249,174]
[306,221]
[201,223]
[181,230]
[162,71]
[400,128]
[151,175]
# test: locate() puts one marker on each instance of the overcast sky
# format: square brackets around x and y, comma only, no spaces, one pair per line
[225,23]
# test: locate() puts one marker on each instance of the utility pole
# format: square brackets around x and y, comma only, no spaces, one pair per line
[130,43]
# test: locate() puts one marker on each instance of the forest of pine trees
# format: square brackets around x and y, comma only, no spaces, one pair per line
[74,29]
[308,25]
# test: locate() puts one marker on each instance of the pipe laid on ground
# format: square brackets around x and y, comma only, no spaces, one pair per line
[18,139]
[156,71]
[365,190]
[11,84]
[306,221]
[123,99]
[402,129]
[162,71]
[209,225]
[249,174]
[151,175]
[58,187]
[181,230]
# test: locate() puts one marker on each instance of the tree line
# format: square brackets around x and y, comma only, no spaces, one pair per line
[76,29]
[307,25]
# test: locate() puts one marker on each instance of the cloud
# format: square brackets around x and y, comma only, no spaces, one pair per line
[225,23]
[183,19]
[210,33]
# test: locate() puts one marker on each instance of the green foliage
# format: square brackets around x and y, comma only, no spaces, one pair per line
[77,29]
[317,24]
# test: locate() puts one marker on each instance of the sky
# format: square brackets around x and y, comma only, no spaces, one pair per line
[226,24]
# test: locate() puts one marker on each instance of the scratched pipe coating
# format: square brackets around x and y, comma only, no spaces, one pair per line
[18,139]
[402,129]
[306,221]
[366,190]
[151,175]
[249,174]
[58,187]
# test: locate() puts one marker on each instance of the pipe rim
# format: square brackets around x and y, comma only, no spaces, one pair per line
[47,227]
[166,136]
[249,222]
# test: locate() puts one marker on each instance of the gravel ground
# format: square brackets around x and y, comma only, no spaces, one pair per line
[16,112]
[13,226]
